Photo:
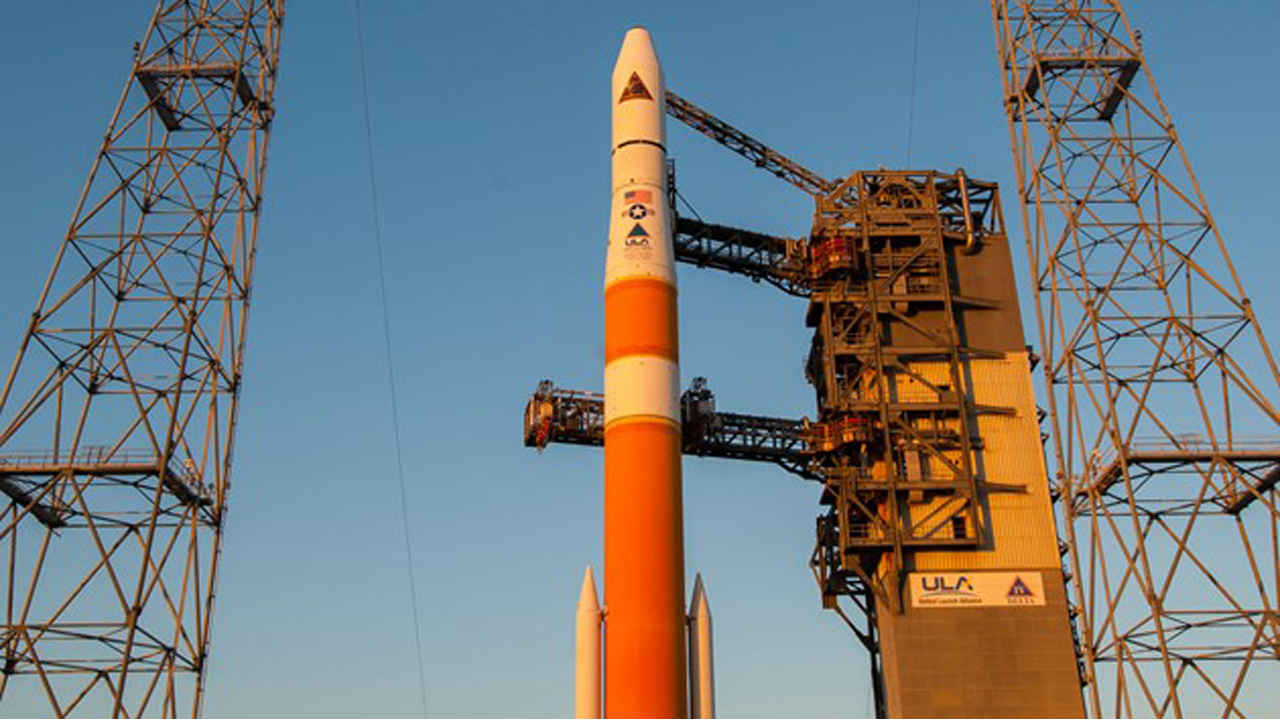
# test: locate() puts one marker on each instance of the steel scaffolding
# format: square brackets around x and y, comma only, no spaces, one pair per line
[1160,382]
[127,379]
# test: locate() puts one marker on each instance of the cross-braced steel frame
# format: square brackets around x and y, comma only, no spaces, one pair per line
[1160,382]
[118,418]
[889,365]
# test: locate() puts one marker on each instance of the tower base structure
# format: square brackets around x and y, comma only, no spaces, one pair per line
[939,520]
[981,660]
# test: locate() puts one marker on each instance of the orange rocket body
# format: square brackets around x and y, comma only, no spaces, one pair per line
[644,629]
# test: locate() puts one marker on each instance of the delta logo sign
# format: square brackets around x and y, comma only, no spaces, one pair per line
[976,589]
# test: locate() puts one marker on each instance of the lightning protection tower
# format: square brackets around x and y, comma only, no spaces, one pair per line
[1160,383]
[118,417]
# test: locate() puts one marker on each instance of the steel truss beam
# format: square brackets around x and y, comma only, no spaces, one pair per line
[128,377]
[1166,448]
[575,417]
[761,155]
[777,261]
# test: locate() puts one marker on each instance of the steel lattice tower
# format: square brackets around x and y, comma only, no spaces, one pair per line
[1161,384]
[118,417]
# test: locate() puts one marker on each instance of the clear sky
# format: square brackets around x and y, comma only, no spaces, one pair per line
[491,127]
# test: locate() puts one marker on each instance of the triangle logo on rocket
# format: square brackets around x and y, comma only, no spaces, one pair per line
[635,90]
[637,236]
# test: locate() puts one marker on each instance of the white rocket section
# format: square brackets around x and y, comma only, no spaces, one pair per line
[646,256]
[586,695]
[642,385]
[639,166]
[702,686]
[633,121]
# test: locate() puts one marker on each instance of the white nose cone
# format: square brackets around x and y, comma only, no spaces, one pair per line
[640,224]
[639,92]
[587,599]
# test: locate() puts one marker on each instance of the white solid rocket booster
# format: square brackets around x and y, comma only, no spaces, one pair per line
[702,686]
[586,697]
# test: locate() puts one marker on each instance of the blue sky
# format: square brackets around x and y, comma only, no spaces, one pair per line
[490,130]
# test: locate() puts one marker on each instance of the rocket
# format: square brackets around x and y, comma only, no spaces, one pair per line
[644,621]
[645,653]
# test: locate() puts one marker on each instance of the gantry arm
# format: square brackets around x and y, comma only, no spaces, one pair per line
[577,418]
[757,152]
[775,260]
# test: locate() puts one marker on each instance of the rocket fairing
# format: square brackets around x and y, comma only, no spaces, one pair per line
[644,663]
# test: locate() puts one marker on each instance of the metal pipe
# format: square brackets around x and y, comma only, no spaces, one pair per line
[970,238]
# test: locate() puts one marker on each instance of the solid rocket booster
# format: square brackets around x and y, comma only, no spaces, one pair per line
[702,686]
[644,666]
[586,698]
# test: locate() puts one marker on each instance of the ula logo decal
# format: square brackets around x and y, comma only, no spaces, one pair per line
[976,589]
[937,585]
